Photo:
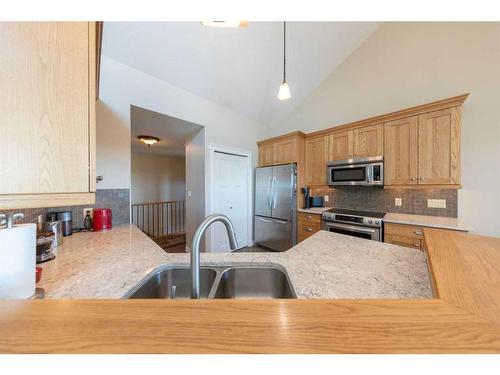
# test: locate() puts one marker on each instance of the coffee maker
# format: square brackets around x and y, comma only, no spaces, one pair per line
[310,201]
[307,192]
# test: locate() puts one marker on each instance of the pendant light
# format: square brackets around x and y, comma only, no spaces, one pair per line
[284,92]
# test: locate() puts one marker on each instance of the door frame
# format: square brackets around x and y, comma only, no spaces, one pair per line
[212,149]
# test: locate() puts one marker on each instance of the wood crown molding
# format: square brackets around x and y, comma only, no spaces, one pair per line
[282,137]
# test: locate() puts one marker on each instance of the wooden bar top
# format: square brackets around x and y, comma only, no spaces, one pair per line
[464,318]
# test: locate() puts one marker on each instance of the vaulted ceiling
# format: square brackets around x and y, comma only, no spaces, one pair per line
[238,68]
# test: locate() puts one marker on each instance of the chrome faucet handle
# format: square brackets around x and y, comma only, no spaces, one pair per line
[10,219]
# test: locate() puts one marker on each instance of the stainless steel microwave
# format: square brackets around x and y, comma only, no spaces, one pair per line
[357,171]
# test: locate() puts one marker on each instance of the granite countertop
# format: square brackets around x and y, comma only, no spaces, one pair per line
[427,221]
[326,265]
[314,210]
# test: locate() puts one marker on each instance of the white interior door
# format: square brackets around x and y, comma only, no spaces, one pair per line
[230,197]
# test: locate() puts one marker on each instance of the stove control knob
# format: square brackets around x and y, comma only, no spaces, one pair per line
[370,221]
[377,222]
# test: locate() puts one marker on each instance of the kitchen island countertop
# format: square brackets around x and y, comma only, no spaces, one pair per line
[326,265]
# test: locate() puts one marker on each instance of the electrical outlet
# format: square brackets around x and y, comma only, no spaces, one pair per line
[327,198]
[90,210]
[436,203]
[398,201]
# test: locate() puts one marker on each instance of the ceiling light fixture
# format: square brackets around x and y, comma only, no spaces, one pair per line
[284,92]
[149,140]
[227,24]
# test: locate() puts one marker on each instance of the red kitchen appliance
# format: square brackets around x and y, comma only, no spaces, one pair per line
[102,219]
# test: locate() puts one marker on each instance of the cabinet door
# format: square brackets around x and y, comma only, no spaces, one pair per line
[316,156]
[400,154]
[439,147]
[266,154]
[341,145]
[369,141]
[44,107]
[285,151]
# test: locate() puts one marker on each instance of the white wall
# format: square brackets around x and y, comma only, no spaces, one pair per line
[157,178]
[406,64]
[122,86]
[195,183]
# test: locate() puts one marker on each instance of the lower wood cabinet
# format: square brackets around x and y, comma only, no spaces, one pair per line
[307,225]
[404,235]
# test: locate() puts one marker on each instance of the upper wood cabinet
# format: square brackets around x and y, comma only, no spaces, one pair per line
[47,107]
[400,154]
[439,147]
[358,143]
[420,146]
[281,150]
[316,158]
[266,154]
[340,145]
[369,141]
[424,149]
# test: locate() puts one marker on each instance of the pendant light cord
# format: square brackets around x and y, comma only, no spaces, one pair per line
[284,51]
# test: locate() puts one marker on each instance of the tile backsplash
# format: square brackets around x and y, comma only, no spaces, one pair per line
[116,199]
[414,201]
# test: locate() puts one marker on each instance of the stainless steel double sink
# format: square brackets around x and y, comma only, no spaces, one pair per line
[220,281]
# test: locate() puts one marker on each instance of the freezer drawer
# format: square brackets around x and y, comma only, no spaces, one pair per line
[278,235]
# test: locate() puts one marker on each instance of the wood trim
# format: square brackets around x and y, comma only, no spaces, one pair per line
[98,47]
[18,201]
[417,187]
[408,112]
[93,82]
[282,137]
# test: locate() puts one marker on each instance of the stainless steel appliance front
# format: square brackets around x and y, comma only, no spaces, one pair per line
[275,206]
[357,171]
[362,224]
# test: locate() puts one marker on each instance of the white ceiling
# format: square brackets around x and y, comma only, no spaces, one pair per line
[171,131]
[238,68]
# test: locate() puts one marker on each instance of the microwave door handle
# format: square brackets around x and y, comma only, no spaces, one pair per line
[369,170]
[351,228]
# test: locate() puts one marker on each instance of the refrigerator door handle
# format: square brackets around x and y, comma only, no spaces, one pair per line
[275,195]
[269,190]
[274,221]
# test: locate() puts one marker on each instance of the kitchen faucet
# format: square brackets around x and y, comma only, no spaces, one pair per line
[195,248]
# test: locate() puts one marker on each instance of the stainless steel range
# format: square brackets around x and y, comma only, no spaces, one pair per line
[363,224]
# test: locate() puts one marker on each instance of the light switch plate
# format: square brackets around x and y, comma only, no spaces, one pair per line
[326,198]
[436,203]
[398,201]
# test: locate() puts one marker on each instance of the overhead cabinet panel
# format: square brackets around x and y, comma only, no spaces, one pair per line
[439,147]
[400,154]
[44,101]
[369,141]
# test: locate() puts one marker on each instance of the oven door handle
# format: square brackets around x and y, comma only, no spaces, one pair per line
[351,228]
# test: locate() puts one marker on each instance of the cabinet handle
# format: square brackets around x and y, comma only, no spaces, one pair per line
[421,178]
[308,229]
[413,179]
[418,232]
[416,245]
[309,217]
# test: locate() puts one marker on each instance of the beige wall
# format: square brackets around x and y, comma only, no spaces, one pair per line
[157,178]
[406,64]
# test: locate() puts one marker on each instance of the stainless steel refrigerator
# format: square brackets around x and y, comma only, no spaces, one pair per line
[276,206]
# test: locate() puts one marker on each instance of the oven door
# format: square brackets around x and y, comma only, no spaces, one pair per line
[354,230]
[349,175]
